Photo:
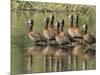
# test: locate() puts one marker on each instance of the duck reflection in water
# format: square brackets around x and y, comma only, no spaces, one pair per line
[88,55]
[69,58]
[48,54]
[59,59]
[31,53]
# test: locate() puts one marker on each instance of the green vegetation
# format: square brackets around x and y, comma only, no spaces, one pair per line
[51,7]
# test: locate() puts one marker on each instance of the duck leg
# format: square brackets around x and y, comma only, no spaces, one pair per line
[30,61]
[76,63]
[84,65]
[69,62]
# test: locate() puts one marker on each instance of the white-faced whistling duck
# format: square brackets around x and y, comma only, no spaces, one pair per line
[51,24]
[68,36]
[34,36]
[48,32]
[88,37]
[71,27]
[60,37]
[77,30]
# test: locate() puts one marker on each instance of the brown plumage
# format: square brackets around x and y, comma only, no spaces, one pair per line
[74,29]
[48,32]
[34,36]
[59,54]
[48,52]
[89,54]
[78,32]
[71,27]
[60,36]
[59,59]
[88,37]
[78,48]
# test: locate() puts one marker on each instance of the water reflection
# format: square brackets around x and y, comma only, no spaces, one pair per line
[31,54]
[48,54]
[69,58]
[88,55]
[57,59]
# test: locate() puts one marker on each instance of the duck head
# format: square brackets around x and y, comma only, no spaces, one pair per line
[52,17]
[62,24]
[86,28]
[58,25]
[47,22]
[76,20]
[30,25]
[71,17]
[52,20]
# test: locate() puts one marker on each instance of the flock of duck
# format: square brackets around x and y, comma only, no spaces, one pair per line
[55,33]
[74,40]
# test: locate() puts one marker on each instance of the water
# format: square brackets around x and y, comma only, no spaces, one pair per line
[28,58]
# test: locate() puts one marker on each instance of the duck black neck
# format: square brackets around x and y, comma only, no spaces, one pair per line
[58,30]
[52,23]
[31,27]
[86,28]
[77,24]
[46,26]
[77,21]
[71,23]
[58,25]
[47,22]
[30,24]
[62,25]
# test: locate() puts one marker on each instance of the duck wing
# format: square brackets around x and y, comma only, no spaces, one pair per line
[35,36]
[89,38]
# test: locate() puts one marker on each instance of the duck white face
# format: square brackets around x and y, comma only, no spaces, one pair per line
[76,17]
[44,19]
[56,25]
[84,26]
[30,22]
[71,16]
[52,17]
